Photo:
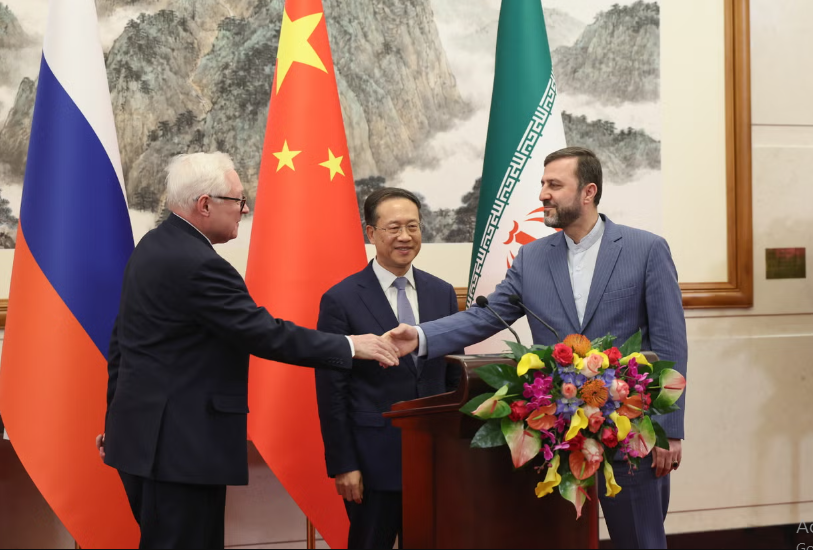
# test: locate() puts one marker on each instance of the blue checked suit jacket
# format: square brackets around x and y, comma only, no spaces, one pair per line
[634,286]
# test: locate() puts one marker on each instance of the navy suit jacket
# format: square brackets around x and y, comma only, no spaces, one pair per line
[635,285]
[178,361]
[351,403]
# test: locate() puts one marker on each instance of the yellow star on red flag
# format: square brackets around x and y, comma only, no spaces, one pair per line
[286,157]
[294,45]
[333,163]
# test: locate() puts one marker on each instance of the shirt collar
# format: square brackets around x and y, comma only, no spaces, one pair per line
[192,225]
[386,278]
[589,240]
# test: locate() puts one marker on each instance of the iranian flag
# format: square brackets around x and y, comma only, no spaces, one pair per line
[525,125]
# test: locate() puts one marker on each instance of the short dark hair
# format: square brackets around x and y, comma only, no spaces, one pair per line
[588,168]
[380,195]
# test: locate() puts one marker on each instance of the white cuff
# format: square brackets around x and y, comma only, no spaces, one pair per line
[421,342]
[352,347]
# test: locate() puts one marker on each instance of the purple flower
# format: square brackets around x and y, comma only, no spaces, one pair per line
[548,454]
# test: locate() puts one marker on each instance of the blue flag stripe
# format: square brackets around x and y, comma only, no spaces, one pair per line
[73,211]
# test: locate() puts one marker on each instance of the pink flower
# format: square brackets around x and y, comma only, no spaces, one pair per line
[592,364]
[569,391]
[595,421]
[593,451]
[547,452]
[619,390]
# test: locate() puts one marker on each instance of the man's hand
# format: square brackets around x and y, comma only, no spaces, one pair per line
[100,445]
[405,337]
[370,346]
[350,486]
[665,461]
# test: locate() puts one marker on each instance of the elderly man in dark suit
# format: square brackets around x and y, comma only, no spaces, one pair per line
[362,448]
[178,361]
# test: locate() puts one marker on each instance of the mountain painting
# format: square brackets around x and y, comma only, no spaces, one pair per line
[414,80]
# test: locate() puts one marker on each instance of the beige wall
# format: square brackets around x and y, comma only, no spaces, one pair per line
[749,429]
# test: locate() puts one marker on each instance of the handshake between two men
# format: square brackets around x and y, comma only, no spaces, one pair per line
[386,349]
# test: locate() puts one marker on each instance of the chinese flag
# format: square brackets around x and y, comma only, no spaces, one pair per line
[305,238]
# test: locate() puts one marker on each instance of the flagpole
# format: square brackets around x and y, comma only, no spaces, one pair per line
[310,536]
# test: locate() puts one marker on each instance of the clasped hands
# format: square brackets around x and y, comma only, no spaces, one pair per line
[375,348]
[389,348]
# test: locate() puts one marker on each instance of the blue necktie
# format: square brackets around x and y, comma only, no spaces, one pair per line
[405,313]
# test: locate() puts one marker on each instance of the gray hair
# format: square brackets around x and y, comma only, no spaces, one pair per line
[190,176]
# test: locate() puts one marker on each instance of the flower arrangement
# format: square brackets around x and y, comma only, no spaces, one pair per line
[576,404]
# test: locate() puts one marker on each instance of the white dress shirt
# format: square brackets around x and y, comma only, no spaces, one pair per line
[581,264]
[386,278]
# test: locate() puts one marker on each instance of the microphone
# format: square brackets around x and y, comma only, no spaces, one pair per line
[482,301]
[514,299]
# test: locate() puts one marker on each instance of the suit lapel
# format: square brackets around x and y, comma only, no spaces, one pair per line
[605,264]
[428,304]
[561,278]
[372,295]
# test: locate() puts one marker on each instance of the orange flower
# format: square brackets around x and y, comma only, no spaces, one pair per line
[632,407]
[542,418]
[595,393]
[579,342]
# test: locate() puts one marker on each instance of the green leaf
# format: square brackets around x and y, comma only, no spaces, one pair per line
[659,366]
[472,405]
[524,443]
[517,349]
[632,345]
[663,411]
[661,440]
[603,343]
[498,375]
[489,435]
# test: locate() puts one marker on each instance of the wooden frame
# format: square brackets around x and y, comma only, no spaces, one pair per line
[738,290]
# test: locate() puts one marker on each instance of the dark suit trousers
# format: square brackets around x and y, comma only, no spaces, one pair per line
[177,515]
[376,521]
[635,516]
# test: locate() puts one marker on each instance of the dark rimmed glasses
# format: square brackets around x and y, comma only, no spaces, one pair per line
[393,230]
[241,200]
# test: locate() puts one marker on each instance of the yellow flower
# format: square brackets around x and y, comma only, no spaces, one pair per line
[613,488]
[578,362]
[529,361]
[605,361]
[623,425]
[552,479]
[578,422]
[638,357]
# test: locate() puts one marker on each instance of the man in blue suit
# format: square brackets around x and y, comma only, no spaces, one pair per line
[362,448]
[593,278]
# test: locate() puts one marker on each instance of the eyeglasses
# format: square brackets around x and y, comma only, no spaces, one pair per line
[241,200]
[411,228]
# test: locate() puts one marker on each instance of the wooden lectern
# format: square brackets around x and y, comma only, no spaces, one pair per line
[458,497]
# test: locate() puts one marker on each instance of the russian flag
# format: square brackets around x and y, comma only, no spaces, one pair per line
[73,242]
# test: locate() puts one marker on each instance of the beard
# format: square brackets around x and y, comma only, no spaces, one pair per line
[563,215]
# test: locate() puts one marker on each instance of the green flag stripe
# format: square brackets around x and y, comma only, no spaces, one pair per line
[513,174]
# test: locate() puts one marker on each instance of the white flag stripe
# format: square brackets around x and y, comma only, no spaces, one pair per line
[523,175]
[73,50]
